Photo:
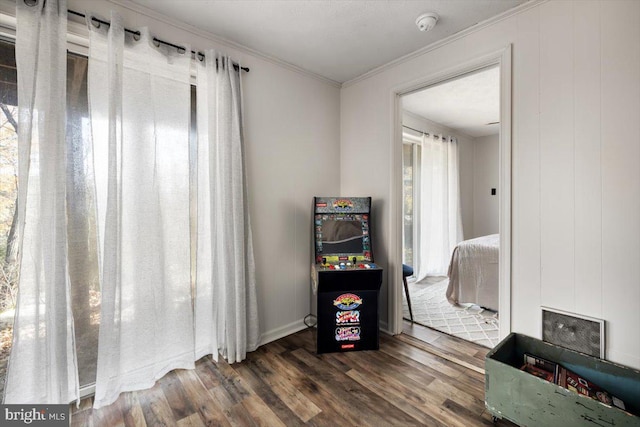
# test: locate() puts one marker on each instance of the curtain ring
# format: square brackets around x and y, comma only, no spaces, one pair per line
[136,36]
[95,22]
[31,3]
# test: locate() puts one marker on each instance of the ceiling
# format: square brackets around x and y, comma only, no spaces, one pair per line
[336,39]
[467,104]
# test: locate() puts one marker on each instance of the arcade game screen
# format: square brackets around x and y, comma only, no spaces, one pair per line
[340,237]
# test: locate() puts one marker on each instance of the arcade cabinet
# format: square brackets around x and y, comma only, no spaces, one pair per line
[345,281]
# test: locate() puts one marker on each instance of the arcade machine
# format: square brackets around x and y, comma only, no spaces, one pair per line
[345,281]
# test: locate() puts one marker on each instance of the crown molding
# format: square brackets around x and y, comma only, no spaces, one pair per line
[7,8]
[127,4]
[77,33]
[443,42]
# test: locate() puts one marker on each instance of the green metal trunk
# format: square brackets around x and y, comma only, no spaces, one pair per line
[531,401]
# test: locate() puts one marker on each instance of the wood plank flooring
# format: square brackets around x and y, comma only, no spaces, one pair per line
[411,381]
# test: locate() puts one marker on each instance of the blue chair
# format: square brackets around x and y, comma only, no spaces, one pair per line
[407,271]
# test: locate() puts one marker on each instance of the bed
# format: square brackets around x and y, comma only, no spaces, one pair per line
[473,272]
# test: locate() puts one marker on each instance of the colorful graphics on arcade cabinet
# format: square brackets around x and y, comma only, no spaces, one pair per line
[348,318]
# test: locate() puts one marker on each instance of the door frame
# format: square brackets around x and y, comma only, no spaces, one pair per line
[502,58]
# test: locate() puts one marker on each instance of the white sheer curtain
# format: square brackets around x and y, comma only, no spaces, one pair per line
[140,115]
[42,366]
[225,306]
[439,216]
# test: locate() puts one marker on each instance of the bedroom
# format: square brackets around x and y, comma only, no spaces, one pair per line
[450,195]
[575,148]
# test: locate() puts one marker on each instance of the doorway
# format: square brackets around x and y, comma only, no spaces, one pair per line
[453,172]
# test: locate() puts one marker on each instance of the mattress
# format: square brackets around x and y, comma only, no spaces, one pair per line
[473,272]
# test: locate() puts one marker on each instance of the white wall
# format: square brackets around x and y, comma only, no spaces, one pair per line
[485,177]
[292,154]
[466,161]
[576,154]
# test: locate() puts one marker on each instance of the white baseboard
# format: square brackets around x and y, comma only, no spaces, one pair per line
[282,331]
[384,327]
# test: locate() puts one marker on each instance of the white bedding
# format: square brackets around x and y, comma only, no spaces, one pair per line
[473,272]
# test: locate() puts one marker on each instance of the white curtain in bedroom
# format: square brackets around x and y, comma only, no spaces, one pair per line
[439,218]
[140,117]
[42,366]
[225,304]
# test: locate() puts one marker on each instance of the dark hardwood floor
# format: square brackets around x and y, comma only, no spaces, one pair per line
[425,379]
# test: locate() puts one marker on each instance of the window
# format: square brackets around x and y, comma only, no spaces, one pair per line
[411,152]
[81,216]
[407,202]
[83,258]
[8,196]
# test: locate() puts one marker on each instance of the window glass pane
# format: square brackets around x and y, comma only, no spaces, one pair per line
[407,203]
[193,187]
[8,194]
[81,216]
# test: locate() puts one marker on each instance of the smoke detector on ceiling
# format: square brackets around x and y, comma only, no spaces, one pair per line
[427,21]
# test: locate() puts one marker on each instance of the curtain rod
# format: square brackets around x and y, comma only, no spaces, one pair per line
[426,133]
[137,33]
[416,130]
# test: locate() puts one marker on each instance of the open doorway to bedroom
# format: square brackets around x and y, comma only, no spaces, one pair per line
[450,206]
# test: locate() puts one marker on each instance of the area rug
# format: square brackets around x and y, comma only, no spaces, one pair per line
[467,321]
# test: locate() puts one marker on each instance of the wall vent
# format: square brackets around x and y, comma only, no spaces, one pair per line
[573,331]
